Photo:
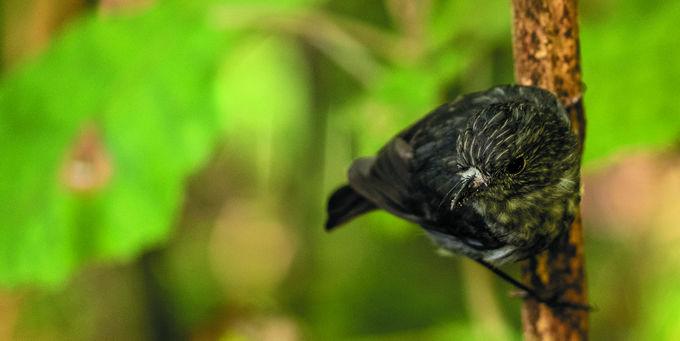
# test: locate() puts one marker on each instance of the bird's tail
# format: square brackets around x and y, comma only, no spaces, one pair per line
[346,204]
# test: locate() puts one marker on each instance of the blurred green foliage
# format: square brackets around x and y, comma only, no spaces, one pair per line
[142,81]
[629,65]
[226,123]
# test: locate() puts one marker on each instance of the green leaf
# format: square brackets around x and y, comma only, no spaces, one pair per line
[144,83]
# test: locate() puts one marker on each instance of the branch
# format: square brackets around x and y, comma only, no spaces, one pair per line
[547,55]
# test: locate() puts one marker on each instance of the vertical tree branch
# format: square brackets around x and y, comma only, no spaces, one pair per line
[547,55]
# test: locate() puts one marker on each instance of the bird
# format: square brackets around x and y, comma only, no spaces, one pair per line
[493,176]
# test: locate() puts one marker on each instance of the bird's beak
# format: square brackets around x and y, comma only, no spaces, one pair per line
[471,180]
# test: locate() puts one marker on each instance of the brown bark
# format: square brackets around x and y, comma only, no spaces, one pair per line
[547,55]
[29,25]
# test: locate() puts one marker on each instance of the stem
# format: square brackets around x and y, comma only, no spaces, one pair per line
[547,55]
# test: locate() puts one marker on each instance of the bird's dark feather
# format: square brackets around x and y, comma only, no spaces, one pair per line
[344,205]
[416,172]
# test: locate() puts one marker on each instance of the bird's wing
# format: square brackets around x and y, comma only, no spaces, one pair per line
[385,179]
[346,204]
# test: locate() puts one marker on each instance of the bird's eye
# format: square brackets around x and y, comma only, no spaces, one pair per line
[517,165]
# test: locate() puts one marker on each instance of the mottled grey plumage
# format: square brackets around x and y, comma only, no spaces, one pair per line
[493,175]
